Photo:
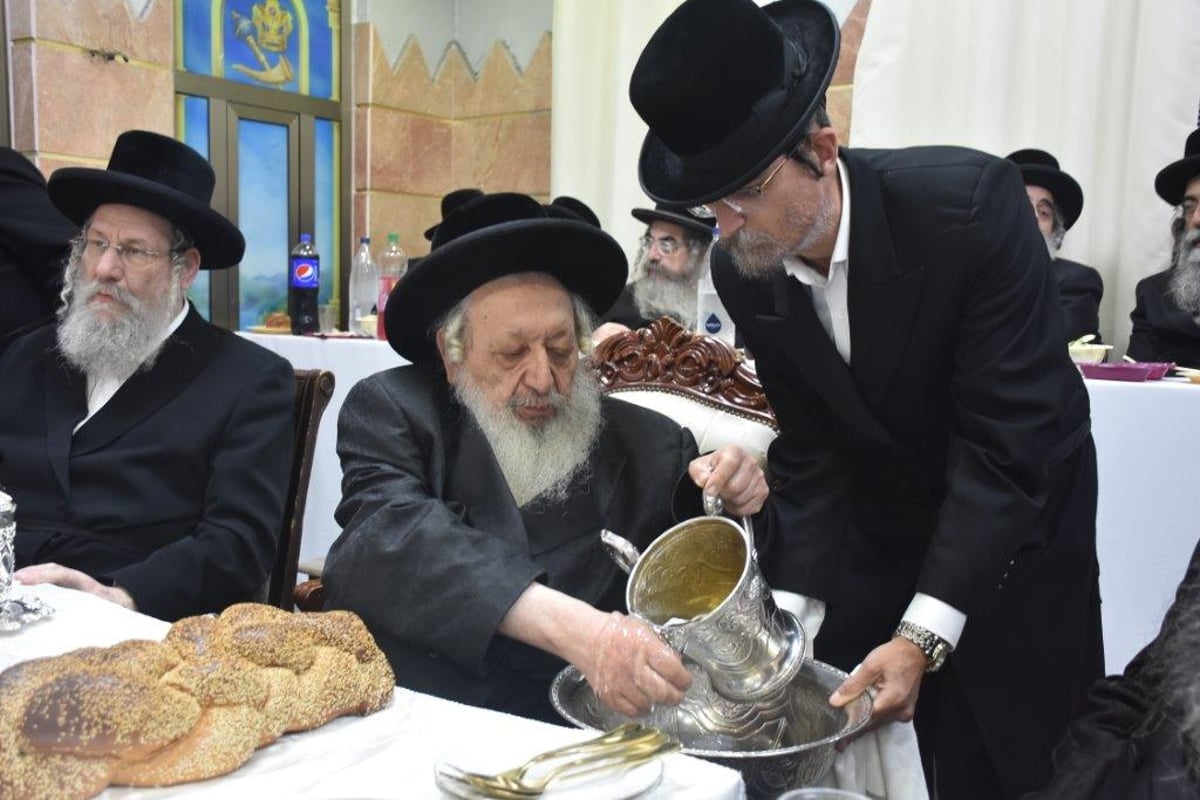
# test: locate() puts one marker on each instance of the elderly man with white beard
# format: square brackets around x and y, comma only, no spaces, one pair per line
[672,257]
[147,451]
[1166,319]
[476,481]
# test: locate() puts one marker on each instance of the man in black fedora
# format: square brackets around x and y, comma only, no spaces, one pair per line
[1166,318]
[672,257]
[934,483]
[1057,201]
[476,481]
[147,451]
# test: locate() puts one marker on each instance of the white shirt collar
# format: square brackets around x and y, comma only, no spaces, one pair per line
[841,245]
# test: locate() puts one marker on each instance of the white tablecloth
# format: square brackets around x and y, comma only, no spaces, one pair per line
[389,754]
[1148,516]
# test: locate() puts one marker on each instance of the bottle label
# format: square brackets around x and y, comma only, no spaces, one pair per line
[305,273]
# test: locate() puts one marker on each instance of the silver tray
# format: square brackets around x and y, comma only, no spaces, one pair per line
[19,611]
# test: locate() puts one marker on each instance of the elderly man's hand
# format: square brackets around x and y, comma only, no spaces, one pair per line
[606,330]
[732,474]
[631,669]
[894,670]
[73,579]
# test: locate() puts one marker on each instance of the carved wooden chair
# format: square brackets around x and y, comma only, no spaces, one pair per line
[700,382]
[314,388]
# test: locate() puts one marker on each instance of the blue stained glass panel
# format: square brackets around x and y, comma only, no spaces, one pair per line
[263,217]
[191,126]
[193,35]
[325,205]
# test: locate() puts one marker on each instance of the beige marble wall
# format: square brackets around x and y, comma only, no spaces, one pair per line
[84,72]
[839,98]
[419,135]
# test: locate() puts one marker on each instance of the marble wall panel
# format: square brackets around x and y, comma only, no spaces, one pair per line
[508,153]
[109,26]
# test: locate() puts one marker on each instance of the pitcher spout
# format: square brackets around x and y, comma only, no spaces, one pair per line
[620,549]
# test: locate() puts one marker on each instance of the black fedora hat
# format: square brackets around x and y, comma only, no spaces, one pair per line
[1039,168]
[163,176]
[490,237]
[567,207]
[681,217]
[726,87]
[1173,179]
[450,202]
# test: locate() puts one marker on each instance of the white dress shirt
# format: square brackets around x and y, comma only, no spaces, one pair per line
[101,390]
[829,299]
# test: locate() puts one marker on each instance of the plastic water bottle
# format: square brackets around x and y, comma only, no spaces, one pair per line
[364,284]
[711,316]
[393,263]
[304,281]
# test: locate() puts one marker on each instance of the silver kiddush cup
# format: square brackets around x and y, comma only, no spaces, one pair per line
[700,588]
[8,535]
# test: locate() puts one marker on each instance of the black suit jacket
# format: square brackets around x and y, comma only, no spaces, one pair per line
[1162,331]
[174,489]
[1080,289]
[952,456]
[434,550]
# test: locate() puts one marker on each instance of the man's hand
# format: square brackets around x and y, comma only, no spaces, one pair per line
[628,667]
[894,670]
[732,474]
[631,669]
[606,330]
[73,579]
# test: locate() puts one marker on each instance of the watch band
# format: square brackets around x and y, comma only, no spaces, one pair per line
[933,646]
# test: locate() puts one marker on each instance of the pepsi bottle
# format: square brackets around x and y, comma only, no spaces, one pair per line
[304,281]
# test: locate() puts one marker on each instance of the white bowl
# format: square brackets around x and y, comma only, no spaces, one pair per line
[1088,353]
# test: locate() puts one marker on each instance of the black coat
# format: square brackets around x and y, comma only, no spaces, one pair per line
[1126,744]
[952,456]
[434,550]
[174,489]
[1080,289]
[1162,331]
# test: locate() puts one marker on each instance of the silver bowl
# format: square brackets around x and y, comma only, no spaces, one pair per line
[770,764]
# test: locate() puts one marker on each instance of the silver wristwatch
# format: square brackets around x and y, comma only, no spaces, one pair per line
[933,646]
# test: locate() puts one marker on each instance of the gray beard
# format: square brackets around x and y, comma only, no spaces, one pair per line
[539,462]
[112,348]
[1175,680]
[657,295]
[1184,282]
[759,256]
[1053,243]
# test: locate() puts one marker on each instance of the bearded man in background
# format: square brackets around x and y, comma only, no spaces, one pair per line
[476,481]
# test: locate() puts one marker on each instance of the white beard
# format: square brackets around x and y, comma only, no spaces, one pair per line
[539,462]
[1184,283]
[113,347]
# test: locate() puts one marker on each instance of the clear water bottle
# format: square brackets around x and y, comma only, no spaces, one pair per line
[711,316]
[393,263]
[364,284]
[304,282]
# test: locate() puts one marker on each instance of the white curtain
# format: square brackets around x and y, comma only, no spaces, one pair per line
[595,135]
[1108,86]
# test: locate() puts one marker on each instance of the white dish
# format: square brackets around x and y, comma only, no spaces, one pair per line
[608,786]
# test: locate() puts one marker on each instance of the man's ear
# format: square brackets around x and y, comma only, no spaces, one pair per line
[192,256]
[825,147]
[450,366]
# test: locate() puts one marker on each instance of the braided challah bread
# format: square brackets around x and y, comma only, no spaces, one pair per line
[191,707]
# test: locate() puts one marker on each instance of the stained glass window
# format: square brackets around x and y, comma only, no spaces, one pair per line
[191,121]
[291,45]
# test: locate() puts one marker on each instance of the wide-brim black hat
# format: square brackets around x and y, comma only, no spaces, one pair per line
[1039,168]
[163,176]
[1171,182]
[683,218]
[450,202]
[488,238]
[726,88]
[567,207]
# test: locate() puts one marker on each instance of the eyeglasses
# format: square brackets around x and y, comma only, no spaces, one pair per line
[131,257]
[666,245]
[738,199]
